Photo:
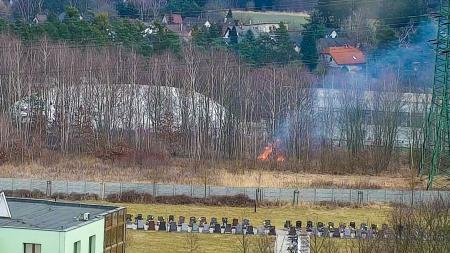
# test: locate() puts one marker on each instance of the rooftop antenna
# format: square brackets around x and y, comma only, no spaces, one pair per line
[4,208]
[435,156]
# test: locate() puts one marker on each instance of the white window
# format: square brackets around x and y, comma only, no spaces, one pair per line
[77,247]
[31,248]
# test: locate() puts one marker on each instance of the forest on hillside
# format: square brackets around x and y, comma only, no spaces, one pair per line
[92,83]
[111,102]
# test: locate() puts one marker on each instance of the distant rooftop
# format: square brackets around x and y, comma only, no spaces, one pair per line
[346,55]
[50,215]
[324,43]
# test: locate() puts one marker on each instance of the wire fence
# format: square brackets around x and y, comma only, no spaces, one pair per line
[103,189]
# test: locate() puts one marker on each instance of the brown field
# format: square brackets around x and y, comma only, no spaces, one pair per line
[230,175]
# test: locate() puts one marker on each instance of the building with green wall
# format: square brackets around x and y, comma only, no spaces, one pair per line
[43,226]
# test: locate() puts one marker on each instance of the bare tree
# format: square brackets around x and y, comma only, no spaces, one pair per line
[352,119]
[264,244]
[28,8]
[244,244]
[387,105]
[147,7]
[191,242]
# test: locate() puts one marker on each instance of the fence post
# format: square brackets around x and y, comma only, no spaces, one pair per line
[48,190]
[102,190]
[315,195]
[295,200]
[67,187]
[85,187]
[360,196]
[256,198]
[332,195]
[368,191]
[12,184]
[173,190]
[350,200]
[31,185]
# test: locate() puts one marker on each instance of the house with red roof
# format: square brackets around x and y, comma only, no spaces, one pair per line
[345,57]
[173,22]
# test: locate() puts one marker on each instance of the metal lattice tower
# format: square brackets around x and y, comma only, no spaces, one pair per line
[435,160]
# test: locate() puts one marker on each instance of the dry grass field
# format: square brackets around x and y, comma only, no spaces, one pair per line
[230,175]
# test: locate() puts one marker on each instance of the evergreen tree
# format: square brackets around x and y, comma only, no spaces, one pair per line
[3,25]
[384,35]
[127,10]
[313,31]
[101,21]
[264,4]
[284,48]
[334,12]
[233,36]
[165,39]
[275,48]
[248,48]
[229,14]
[206,37]
[400,13]
[187,8]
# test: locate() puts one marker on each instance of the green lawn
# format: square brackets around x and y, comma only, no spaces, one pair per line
[278,215]
[295,21]
[163,242]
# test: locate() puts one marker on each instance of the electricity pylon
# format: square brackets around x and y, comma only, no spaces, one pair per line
[435,160]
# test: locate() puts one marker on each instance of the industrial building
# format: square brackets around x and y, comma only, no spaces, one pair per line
[35,226]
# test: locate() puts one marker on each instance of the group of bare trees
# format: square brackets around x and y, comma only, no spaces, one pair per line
[420,228]
[205,105]
[149,8]
[371,123]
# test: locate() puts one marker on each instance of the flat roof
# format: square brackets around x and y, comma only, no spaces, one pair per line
[50,215]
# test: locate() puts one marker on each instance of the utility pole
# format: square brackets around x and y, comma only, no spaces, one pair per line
[435,158]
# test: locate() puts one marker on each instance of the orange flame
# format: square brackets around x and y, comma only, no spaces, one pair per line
[265,154]
[272,151]
[280,158]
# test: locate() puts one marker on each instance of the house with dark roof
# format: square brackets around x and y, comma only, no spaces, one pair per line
[40,18]
[35,226]
[324,43]
[346,57]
